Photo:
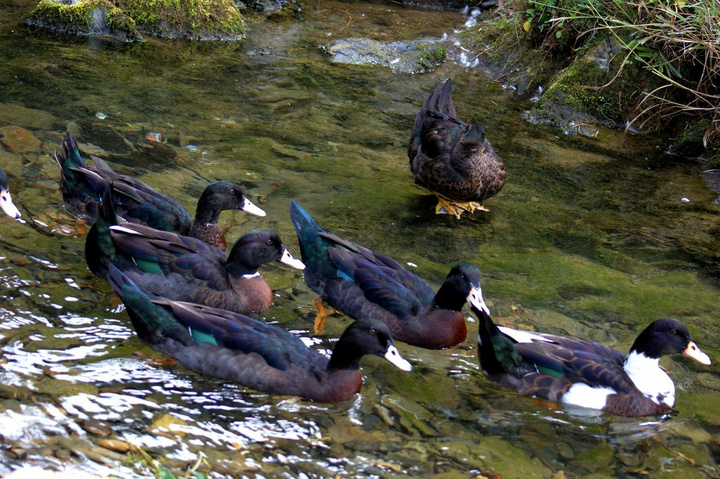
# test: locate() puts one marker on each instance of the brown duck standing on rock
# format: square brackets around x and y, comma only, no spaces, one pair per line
[451,158]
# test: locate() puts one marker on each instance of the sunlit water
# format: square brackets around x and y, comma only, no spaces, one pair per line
[590,237]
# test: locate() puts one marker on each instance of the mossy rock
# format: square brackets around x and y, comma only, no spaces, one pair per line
[89,17]
[127,20]
[194,19]
[592,90]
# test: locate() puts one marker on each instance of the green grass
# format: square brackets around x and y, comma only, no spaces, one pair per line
[675,40]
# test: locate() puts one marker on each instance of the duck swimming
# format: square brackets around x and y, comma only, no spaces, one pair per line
[6,202]
[364,284]
[185,268]
[82,188]
[578,372]
[451,158]
[219,343]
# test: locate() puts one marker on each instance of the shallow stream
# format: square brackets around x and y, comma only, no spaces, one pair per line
[594,237]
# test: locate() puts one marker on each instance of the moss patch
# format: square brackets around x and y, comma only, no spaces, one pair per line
[596,87]
[197,19]
[89,17]
[126,19]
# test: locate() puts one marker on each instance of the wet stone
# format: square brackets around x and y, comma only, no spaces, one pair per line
[56,388]
[405,57]
[18,140]
[594,460]
[96,427]
[10,404]
[14,392]
[364,446]
[564,451]
[27,117]
[115,445]
[629,459]
[62,454]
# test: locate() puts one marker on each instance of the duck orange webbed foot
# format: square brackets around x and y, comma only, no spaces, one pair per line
[319,326]
[457,208]
[155,362]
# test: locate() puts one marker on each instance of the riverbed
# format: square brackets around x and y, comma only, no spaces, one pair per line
[592,237]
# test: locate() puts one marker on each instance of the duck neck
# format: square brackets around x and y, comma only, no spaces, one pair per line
[647,375]
[205,215]
[345,357]
[447,297]
[236,269]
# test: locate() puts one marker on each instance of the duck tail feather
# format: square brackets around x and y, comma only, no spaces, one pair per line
[440,100]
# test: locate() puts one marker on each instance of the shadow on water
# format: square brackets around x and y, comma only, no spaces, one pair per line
[589,238]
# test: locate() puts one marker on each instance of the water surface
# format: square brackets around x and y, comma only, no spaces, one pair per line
[590,237]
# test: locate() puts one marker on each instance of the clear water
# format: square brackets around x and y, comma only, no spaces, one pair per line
[590,237]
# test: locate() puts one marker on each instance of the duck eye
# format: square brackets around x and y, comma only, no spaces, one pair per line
[673,331]
[232,191]
[268,242]
[373,331]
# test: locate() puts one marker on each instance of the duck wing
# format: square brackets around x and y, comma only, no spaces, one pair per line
[382,282]
[279,348]
[163,252]
[147,206]
[175,327]
[573,360]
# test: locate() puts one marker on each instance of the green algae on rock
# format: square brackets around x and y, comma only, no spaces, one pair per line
[593,90]
[128,20]
[89,17]
[193,19]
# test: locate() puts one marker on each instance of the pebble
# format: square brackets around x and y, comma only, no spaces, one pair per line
[115,445]
[96,427]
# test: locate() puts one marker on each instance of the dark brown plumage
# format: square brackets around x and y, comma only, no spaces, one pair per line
[184,268]
[83,187]
[450,157]
[364,284]
[265,357]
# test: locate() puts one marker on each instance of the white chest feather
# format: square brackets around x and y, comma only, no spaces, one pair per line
[580,394]
[650,378]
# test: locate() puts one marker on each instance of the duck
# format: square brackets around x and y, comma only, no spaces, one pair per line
[581,373]
[184,268]
[6,202]
[452,158]
[82,187]
[362,284]
[261,356]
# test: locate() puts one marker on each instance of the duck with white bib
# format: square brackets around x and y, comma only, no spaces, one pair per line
[578,372]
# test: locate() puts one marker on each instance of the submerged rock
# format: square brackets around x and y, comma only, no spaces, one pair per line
[18,140]
[128,20]
[417,56]
[266,7]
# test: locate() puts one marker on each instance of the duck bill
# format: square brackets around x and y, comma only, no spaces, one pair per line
[8,206]
[476,301]
[393,356]
[288,260]
[250,208]
[692,351]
